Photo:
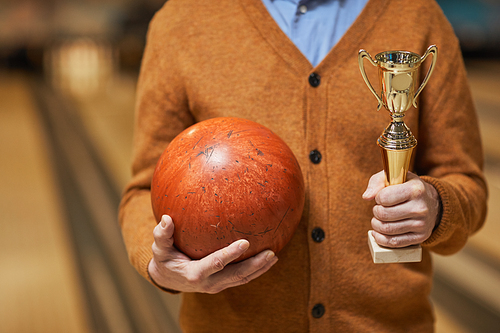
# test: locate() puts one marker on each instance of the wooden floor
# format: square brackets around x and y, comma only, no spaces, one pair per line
[41,287]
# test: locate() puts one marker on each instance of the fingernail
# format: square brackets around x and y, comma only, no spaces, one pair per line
[244,245]
[270,256]
[367,193]
[163,224]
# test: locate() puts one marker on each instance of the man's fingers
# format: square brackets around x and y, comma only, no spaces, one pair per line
[399,240]
[404,214]
[375,184]
[216,261]
[404,211]
[164,232]
[270,263]
[163,235]
[413,188]
[243,272]
[399,227]
[211,274]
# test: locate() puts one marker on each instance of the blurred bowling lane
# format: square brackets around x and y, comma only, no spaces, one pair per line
[84,70]
[40,288]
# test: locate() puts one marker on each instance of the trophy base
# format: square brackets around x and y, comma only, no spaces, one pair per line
[385,255]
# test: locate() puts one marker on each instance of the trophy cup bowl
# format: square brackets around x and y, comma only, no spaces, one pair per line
[398,73]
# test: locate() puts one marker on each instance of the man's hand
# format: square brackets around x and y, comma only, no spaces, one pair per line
[404,214]
[173,270]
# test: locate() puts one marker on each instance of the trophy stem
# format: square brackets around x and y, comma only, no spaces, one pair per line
[396,165]
[397,144]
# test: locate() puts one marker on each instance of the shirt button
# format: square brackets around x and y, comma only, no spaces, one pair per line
[318,235]
[318,310]
[303,9]
[314,80]
[315,156]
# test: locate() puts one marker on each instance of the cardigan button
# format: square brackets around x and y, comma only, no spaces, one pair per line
[318,235]
[315,156]
[314,80]
[318,310]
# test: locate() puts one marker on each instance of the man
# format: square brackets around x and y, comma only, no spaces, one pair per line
[236,58]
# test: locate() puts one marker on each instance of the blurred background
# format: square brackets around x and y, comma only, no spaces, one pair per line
[68,70]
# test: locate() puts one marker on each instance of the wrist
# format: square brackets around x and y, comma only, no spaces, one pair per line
[437,204]
[439,214]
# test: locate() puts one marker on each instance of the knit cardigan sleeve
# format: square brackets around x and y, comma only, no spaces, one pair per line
[161,113]
[449,151]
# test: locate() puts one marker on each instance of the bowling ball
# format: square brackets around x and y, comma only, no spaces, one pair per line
[225,179]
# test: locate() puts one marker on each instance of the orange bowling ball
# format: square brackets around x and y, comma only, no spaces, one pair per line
[225,179]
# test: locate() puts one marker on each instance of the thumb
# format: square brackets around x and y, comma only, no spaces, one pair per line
[376,183]
[163,235]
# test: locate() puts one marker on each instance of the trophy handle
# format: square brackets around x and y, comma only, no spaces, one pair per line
[431,50]
[363,54]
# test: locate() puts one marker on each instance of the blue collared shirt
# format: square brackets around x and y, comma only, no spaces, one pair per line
[314,26]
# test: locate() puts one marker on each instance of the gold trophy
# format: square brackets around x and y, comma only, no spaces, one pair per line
[398,77]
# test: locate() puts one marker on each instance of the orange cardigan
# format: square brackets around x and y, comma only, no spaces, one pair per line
[208,59]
